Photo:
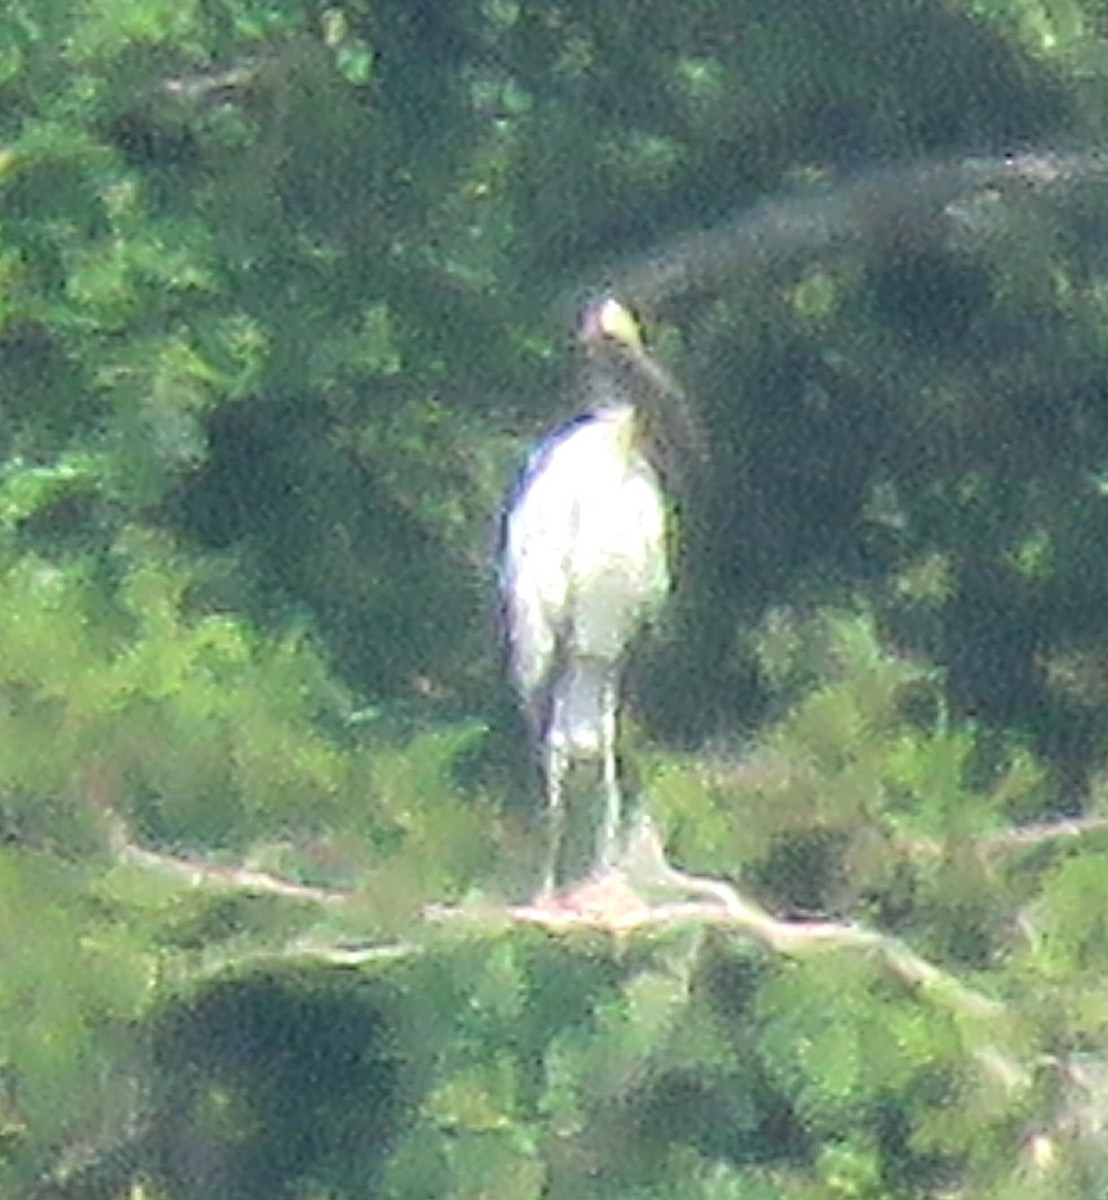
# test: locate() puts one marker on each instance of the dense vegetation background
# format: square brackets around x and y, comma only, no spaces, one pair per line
[285,292]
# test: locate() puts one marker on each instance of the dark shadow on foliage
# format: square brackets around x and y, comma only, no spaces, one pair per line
[261,1083]
[922,79]
[317,531]
[255,1087]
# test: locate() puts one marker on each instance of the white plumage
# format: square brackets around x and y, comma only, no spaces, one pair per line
[584,561]
[584,565]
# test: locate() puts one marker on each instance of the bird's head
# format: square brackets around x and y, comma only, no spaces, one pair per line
[609,324]
[620,367]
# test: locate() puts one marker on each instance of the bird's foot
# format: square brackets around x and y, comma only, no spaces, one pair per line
[605,899]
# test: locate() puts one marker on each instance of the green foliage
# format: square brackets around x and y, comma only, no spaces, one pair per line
[75,978]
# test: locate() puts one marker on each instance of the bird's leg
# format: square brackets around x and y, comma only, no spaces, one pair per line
[555,771]
[613,803]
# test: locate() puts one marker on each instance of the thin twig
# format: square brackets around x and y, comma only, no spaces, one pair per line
[199,872]
[1027,836]
[992,846]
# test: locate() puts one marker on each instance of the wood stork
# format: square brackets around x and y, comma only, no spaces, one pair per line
[584,564]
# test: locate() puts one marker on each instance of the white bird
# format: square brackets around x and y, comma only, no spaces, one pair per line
[584,565]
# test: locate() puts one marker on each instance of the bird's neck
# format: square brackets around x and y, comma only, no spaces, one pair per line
[611,385]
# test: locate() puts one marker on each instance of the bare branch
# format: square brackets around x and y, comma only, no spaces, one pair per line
[895,203]
[621,902]
[612,903]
